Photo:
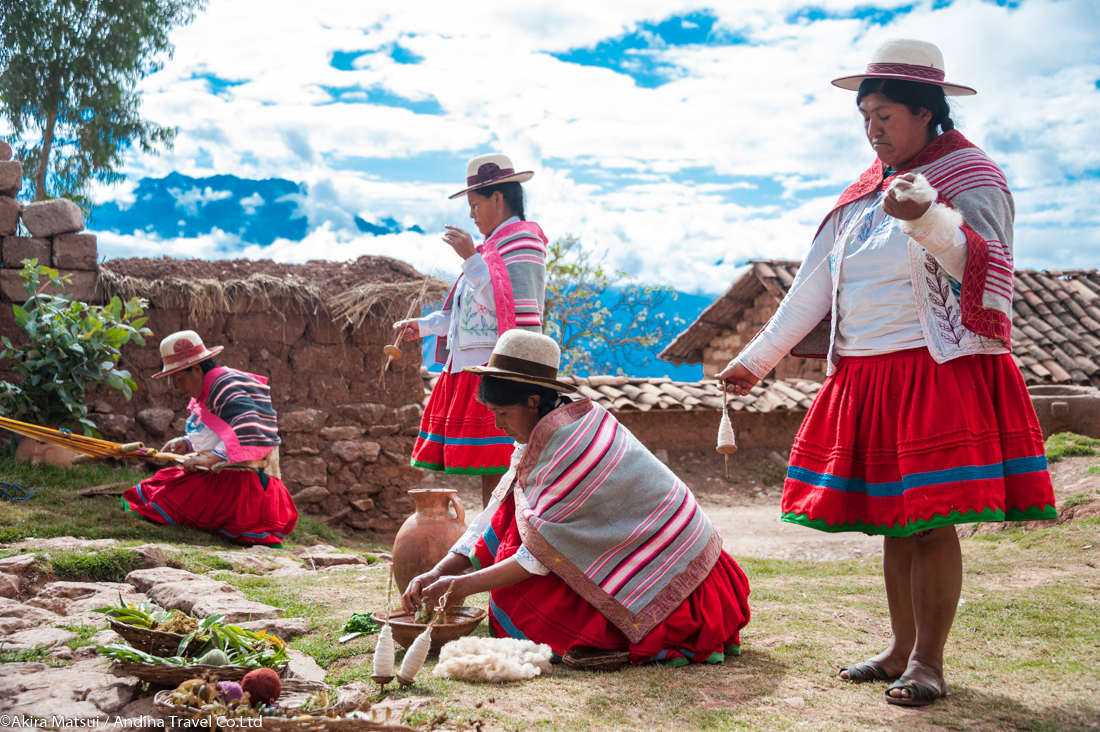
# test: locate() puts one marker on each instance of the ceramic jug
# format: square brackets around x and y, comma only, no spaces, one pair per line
[428,534]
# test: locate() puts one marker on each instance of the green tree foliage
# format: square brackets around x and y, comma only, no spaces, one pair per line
[70,345]
[69,72]
[598,330]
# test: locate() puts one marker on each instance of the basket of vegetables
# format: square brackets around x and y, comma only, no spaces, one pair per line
[223,653]
[150,629]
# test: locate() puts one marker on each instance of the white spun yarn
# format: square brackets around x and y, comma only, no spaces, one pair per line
[383,652]
[414,657]
[495,660]
[726,442]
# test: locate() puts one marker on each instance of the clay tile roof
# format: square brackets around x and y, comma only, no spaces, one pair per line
[1055,334]
[774,276]
[629,394]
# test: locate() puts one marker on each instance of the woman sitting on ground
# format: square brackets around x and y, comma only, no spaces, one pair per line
[231,485]
[588,540]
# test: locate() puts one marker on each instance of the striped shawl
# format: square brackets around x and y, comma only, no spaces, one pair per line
[601,512]
[237,406]
[516,258]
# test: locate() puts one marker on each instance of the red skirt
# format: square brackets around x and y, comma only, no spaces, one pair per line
[458,433]
[898,444]
[241,505]
[705,628]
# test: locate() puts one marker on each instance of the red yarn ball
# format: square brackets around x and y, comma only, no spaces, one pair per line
[262,685]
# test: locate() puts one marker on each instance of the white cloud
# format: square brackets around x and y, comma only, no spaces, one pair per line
[191,199]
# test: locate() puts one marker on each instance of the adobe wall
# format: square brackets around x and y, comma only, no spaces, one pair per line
[680,430]
[726,345]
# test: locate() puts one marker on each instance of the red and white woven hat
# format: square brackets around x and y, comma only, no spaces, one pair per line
[488,170]
[182,351]
[909,60]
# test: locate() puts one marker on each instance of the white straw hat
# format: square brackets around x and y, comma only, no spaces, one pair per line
[183,350]
[521,355]
[489,170]
[908,60]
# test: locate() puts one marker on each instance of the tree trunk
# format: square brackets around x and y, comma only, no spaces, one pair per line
[44,160]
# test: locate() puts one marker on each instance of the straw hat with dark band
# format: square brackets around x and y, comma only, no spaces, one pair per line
[908,60]
[521,355]
[183,350]
[490,170]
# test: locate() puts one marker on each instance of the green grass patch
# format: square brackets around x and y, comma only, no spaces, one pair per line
[769,473]
[1067,444]
[310,532]
[84,631]
[107,565]
[30,655]
[1094,469]
[1080,498]
[199,561]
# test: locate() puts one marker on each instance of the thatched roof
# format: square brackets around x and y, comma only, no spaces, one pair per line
[348,292]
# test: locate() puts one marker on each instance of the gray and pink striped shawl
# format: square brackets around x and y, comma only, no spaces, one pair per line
[601,512]
[237,406]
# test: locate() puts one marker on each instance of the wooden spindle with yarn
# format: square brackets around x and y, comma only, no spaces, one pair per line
[393,352]
[418,651]
[383,649]
[727,444]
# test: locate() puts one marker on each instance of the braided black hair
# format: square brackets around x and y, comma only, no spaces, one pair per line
[505,393]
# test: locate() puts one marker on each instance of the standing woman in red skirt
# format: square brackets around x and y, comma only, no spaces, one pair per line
[924,421]
[502,286]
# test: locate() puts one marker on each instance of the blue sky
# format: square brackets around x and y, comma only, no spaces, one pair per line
[678,139]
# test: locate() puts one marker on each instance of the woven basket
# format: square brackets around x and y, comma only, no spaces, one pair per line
[294,691]
[167,674]
[154,642]
[595,659]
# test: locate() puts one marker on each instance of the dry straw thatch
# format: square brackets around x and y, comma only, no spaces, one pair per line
[202,298]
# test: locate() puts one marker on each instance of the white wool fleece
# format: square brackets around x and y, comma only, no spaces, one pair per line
[495,660]
[936,229]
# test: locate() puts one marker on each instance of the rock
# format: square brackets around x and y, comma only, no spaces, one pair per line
[235,608]
[35,615]
[50,218]
[75,251]
[303,472]
[346,432]
[105,637]
[11,178]
[68,542]
[318,549]
[185,595]
[409,414]
[362,504]
[17,564]
[56,605]
[156,421]
[113,698]
[42,637]
[795,701]
[370,489]
[9,585]
[78,590]
[144,580]
[353,696]
[247,561]
[5,151]
[351,451]
[367,414]
[304,667]
[63,653]
[383,430]
[285,628]
[312,494]
[114,425]
[331,560]
[18,248]
[142,714]
[9,216]
[12,625]
[303,420]
[85,618]
[152,555]
[70,692]
[102,600]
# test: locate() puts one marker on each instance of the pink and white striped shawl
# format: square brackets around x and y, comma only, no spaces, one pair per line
[601,512]
[237,406]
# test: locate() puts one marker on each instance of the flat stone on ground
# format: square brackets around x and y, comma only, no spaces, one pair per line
[144,580]
[103,599]
[13,625]
[331,560]
[9,585]
[285,628]
[185,595]
[105,637]
[152,556]
[72,692]
[78,590]
[235,608]
[81,619]
[65,542]
[318,549]
[304,667]
[42,637]
[17,564]
[36,615]
[247,561]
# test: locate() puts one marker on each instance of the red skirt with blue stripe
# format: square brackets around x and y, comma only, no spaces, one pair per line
[458,433]
[897,444]
[705,628]
[241,505]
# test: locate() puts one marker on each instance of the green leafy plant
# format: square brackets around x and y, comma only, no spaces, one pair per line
[601,318]
[70,345]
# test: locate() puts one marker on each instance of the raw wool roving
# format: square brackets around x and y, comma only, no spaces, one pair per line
[492,659]
[921,191]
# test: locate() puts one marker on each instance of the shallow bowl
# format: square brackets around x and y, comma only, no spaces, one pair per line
[461,621]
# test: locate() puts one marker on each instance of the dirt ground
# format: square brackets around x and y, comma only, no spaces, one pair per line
[745,508]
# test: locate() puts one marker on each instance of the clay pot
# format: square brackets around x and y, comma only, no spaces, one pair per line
[428,534]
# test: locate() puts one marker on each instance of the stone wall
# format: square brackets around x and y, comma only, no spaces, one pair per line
[726,345]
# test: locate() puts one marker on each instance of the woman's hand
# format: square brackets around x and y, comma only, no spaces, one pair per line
[437,589]
[201,462]
[460,241]
[414,593]
[901,206]
[738,379]
[178,446]
[410,329]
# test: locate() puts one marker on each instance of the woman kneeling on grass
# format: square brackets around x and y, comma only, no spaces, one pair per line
[924,421]
[588,541]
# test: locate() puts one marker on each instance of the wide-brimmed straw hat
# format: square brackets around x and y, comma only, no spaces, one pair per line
[909,60]
[489,170]
[183,350]
[521,355]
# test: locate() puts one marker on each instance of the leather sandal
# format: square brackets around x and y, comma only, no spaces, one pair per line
[920,695]
[864,672]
